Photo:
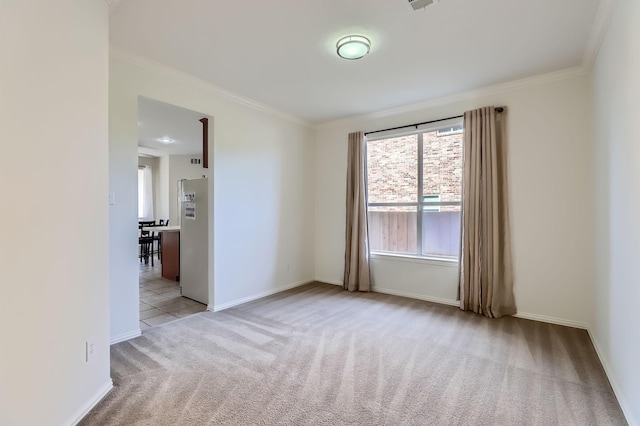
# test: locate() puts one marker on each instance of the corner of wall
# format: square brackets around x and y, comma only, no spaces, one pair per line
[90,404]
[624,404]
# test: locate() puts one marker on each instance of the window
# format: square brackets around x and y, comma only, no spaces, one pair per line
[414,189]
[145,193]
[140,192]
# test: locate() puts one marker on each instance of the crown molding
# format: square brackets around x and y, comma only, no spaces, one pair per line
[598,32]
[112,3]
[465,96]
[151,65]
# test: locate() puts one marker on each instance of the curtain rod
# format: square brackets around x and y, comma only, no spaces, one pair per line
[498,109]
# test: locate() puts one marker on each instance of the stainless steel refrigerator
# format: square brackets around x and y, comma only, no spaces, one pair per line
[194,239]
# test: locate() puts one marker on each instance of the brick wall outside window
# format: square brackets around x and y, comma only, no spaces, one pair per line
[393,168]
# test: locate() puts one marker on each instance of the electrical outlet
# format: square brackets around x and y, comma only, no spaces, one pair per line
[90,349]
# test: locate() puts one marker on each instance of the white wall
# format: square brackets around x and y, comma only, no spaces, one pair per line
[180,167]
[261,193]
[53,248]
[616,317]
[550,188]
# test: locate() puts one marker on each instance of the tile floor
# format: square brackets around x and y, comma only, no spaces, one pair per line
[160,299]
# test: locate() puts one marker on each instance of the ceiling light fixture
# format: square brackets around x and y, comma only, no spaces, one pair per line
[166,140]
[353,47]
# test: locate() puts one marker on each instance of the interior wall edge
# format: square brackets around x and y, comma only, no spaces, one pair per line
[598,32]
[231,304]
[551,320]
[328,281]
[91,402]
[624,404]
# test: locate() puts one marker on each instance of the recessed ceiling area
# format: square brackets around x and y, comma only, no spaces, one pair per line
[168,128]
[282,53]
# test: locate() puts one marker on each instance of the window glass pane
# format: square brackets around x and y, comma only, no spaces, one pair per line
[140,193]
[441,232]
[449,130]
[442,166]
[392,170]
[393,229]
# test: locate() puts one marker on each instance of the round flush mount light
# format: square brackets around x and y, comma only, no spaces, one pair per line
[166,140]
[353,47]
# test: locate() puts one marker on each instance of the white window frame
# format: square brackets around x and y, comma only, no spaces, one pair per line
[449,130]
[420,204]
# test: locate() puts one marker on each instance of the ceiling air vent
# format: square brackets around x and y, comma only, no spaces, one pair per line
[419,4]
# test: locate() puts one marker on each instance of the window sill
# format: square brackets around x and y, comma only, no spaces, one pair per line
[437,261]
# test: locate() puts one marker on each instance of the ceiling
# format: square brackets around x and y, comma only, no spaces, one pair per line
[157,120]
[281,53]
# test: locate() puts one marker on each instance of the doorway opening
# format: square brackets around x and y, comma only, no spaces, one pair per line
[170,149]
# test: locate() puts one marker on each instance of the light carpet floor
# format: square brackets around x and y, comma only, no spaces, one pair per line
[317,355]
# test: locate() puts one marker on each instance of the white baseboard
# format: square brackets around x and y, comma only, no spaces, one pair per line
[443,301]
[614,384]
[329,281]
[126,336]
[551,320]
[440,300]
[223,306]
[95,399]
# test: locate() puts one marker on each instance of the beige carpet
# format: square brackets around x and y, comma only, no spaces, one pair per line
[317,355]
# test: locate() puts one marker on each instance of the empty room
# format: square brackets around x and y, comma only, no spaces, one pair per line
[410,212]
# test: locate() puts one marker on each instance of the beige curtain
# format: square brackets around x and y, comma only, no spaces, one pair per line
[486,272]
[356,257]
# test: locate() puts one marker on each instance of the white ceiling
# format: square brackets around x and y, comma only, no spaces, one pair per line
[282,52]
[157,120]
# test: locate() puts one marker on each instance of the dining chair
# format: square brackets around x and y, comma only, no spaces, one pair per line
[158,239]
[145,241]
